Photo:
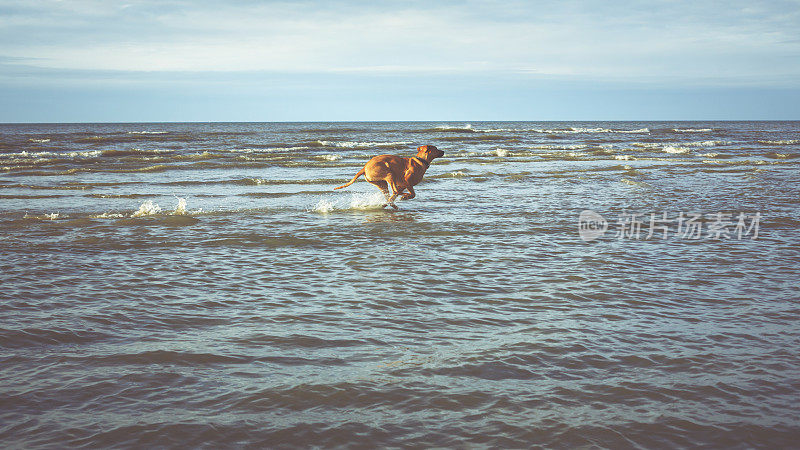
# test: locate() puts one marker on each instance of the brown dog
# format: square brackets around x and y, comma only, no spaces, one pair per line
[397,173]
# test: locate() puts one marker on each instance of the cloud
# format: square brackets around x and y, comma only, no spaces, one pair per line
[666,41]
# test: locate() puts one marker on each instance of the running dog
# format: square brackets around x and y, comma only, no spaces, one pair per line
[397,173]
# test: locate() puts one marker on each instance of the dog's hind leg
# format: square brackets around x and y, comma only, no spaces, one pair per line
[384,187]
[396,190]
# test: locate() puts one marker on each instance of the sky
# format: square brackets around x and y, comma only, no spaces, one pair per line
[248,60]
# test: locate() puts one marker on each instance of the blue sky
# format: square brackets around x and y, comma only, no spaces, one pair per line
[247,60]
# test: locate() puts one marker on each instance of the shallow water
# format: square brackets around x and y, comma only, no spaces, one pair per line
[200,284]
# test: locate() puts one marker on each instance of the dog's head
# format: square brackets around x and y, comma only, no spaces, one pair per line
[428,152]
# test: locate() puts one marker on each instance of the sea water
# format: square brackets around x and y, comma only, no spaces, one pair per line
[202,284]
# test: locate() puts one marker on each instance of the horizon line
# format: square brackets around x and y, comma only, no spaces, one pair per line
[391,121]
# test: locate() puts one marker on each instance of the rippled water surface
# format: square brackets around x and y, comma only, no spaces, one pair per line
[200,284]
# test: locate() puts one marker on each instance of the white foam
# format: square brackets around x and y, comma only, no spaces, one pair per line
[565,130]
[559,147]
[357,201]
[39,141]
[44,156]
[324,206]
[148,208]
[86,154]
[269,149]
[181,208]
[709,155]
[465,127]
[51,216]
[782,142]
[623,157]
[501,152]
[646,145]
[691,130]
[351,144]
[107,215]
[328,157]
[596,130]
[713,143]
[500,130]
[147,132]
[675,149]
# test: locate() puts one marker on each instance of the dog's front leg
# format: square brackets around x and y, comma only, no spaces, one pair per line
[390,201]
[411,194]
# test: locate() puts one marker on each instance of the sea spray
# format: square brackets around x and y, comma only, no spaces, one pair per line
[51,216]
[357,201]
[181,208]
[148,208]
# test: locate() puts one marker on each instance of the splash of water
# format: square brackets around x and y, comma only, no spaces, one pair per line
[181,208]
[357,201]
[148,208]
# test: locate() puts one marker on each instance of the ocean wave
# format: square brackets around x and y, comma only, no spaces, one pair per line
[692,130]
[263,181]
[709,143]
[500,152]
[273,148]
[607,130]
[567,156]
[30,197]
[51,216]
[45,155]
[129,137]
[479,138]
[634,183]
[781,142]
[559,147]
[467,128]
[107,215]
[776,155]
[68,186]
[351,144]
[675,149]
[39,141]
[116,195]
[133,152]
[327,157]
[649,145]
[570,130]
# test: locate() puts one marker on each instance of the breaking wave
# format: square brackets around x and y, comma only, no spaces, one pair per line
[692,130]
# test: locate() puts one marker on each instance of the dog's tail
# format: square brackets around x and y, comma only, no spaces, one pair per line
[360,172]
